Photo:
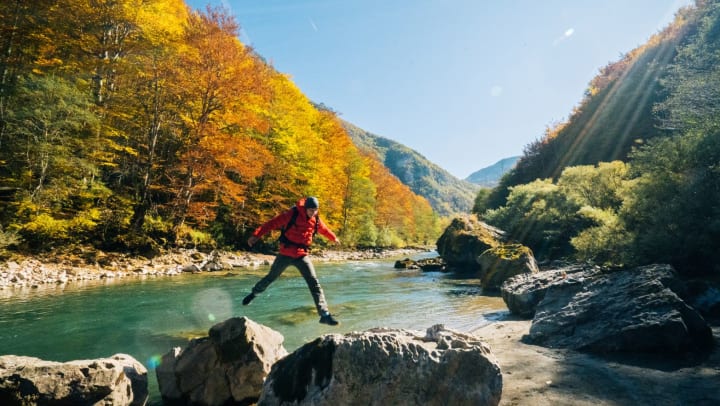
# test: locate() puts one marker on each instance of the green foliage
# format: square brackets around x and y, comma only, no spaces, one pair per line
[599,191]
[223,231]
[692,82]
[606,242]
[48,119]
[388,238]
[366,235]
[43,229]
[158,228]
[481,203]
[194,238]
[663,205]
[673,209]
[541,216]
[577,215]
[600,186]
[84,222]
[363,235]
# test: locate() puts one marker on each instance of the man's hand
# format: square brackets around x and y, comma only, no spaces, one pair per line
[252,240]
[337,242]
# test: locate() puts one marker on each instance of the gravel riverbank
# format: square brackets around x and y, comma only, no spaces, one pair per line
[82,264]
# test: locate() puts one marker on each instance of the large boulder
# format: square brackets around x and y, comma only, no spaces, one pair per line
[465,239]
[504,261]
[387,367]
[227,367]
[118,380]
[523,292]
[625,310]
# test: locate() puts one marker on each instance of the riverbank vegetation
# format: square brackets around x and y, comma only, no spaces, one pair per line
[135,125]
[633,176]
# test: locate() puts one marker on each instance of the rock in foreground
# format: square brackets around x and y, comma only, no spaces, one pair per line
[387,367]
[227,367]
[118,380]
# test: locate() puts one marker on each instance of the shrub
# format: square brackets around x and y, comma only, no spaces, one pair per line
[43,229]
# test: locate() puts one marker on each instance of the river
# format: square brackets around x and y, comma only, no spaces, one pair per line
[147,317]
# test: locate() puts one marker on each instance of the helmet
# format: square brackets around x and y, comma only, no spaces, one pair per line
[311,202]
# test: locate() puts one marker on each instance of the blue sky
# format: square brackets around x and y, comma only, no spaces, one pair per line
[463,82]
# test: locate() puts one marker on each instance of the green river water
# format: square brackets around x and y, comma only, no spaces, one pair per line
[147,317]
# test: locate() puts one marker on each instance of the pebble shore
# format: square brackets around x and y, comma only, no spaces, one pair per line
[20,273]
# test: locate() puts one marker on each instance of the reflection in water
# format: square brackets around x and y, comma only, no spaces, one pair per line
[146,317]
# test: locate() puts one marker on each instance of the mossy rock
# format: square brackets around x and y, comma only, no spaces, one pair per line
[465,239]
[504,261]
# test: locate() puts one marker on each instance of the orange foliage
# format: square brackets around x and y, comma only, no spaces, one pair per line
[193,120]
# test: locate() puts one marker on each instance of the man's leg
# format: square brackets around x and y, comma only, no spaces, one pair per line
[276,269]
[307,270]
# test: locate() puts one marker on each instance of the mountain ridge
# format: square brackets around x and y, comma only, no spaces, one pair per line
[446,193]
[490,175]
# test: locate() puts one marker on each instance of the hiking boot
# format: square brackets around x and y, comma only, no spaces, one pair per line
[248,299]
[329,320]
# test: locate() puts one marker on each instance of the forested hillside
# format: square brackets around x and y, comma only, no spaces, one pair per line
[446,193]
[615,115]
[633,177]
[129,131]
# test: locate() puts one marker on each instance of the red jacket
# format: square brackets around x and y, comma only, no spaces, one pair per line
[301,232]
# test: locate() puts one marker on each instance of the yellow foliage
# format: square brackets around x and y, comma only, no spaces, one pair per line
[45,227]
[159,20]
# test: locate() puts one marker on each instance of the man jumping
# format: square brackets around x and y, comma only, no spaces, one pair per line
[299,225]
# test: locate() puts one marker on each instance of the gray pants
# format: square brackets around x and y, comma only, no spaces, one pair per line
[306,269]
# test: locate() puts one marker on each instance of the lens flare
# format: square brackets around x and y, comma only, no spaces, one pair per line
[211,305]
[154,361]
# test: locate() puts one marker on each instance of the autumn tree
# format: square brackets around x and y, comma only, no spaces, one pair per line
[222,89]
[127,129]
[152,99]
[334,152]
[358,205]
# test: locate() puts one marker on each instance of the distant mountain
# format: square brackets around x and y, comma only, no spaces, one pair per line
[447,194]
[490,176]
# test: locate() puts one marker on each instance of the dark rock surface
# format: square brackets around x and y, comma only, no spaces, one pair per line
[610,311]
